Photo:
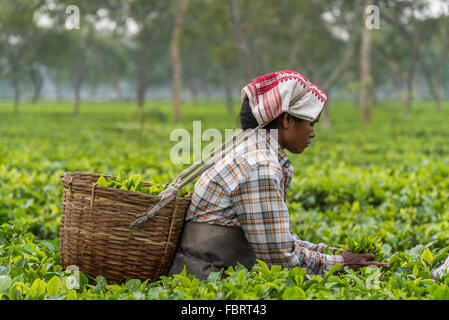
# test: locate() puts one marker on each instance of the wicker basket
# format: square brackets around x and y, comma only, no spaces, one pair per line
[95,237]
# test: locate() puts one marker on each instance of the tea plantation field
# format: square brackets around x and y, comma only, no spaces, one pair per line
[389,178]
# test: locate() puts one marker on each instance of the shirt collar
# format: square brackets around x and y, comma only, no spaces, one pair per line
[272,142]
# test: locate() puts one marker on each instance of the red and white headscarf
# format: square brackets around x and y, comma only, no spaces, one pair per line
[284,91]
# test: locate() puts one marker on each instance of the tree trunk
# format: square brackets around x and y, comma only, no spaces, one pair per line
[176,60]
[438,102]
[365,68]
[437,89]
[99,90]
[58,91]
[116,85]
[240,41]
[192,92]
[439,66]
[77,87]
[399,77]
[447,91]
[142,81]
[206,91]
[434,84]
[16,95]
[15,84]
[189,96]
[266,57]
[355,97]
[388,94]
[345,61]
[327,114]
[37,80]
[293,55]
[410,77]
[141,88]
[228,87]
[446,57]
[400,91]
[414,59]
[37,92]
[433,89]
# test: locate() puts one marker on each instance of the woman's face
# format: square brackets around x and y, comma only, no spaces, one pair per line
[296,134]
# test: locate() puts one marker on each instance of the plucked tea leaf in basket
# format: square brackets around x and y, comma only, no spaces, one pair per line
[134,184]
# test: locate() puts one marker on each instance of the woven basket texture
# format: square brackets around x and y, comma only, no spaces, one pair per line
[94,232]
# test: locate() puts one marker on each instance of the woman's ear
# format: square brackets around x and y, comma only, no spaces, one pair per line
[287,121]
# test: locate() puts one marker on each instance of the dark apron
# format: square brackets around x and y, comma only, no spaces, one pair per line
[206,248]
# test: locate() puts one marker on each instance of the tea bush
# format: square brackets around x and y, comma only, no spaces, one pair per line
[389,179]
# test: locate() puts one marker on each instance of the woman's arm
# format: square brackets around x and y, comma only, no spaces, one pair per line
[320,247]
[265,220]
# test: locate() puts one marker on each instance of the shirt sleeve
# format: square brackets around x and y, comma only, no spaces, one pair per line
[320,247]
[265,220]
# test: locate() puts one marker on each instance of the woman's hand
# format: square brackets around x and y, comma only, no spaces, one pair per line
[355,261]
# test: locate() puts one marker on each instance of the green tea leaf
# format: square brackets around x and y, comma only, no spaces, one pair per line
[133,284]
[48,245]
[53,286]
[427,256]
[294,293]
[71,295]
[241,277]
[102,182]
[37,290]
[17,291]
[5,283]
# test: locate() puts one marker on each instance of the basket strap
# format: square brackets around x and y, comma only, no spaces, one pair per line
[195,170]
[169,194]
[223,147]
[245,134]
[209,163]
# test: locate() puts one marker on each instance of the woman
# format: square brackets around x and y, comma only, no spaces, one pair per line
[238,211]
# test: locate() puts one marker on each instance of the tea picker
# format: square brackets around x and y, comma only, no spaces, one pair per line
[238,212]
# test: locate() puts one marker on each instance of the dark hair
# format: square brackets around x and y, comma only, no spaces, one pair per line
[248,121]
[246,117]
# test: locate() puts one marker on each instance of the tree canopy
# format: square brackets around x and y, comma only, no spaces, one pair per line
[123,47]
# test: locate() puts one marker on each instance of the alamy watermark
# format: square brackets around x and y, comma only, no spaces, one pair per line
[72,281]
[373,280]
[372,19]
[73,20]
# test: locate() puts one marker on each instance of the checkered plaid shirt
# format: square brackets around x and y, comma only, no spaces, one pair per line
[247,188]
